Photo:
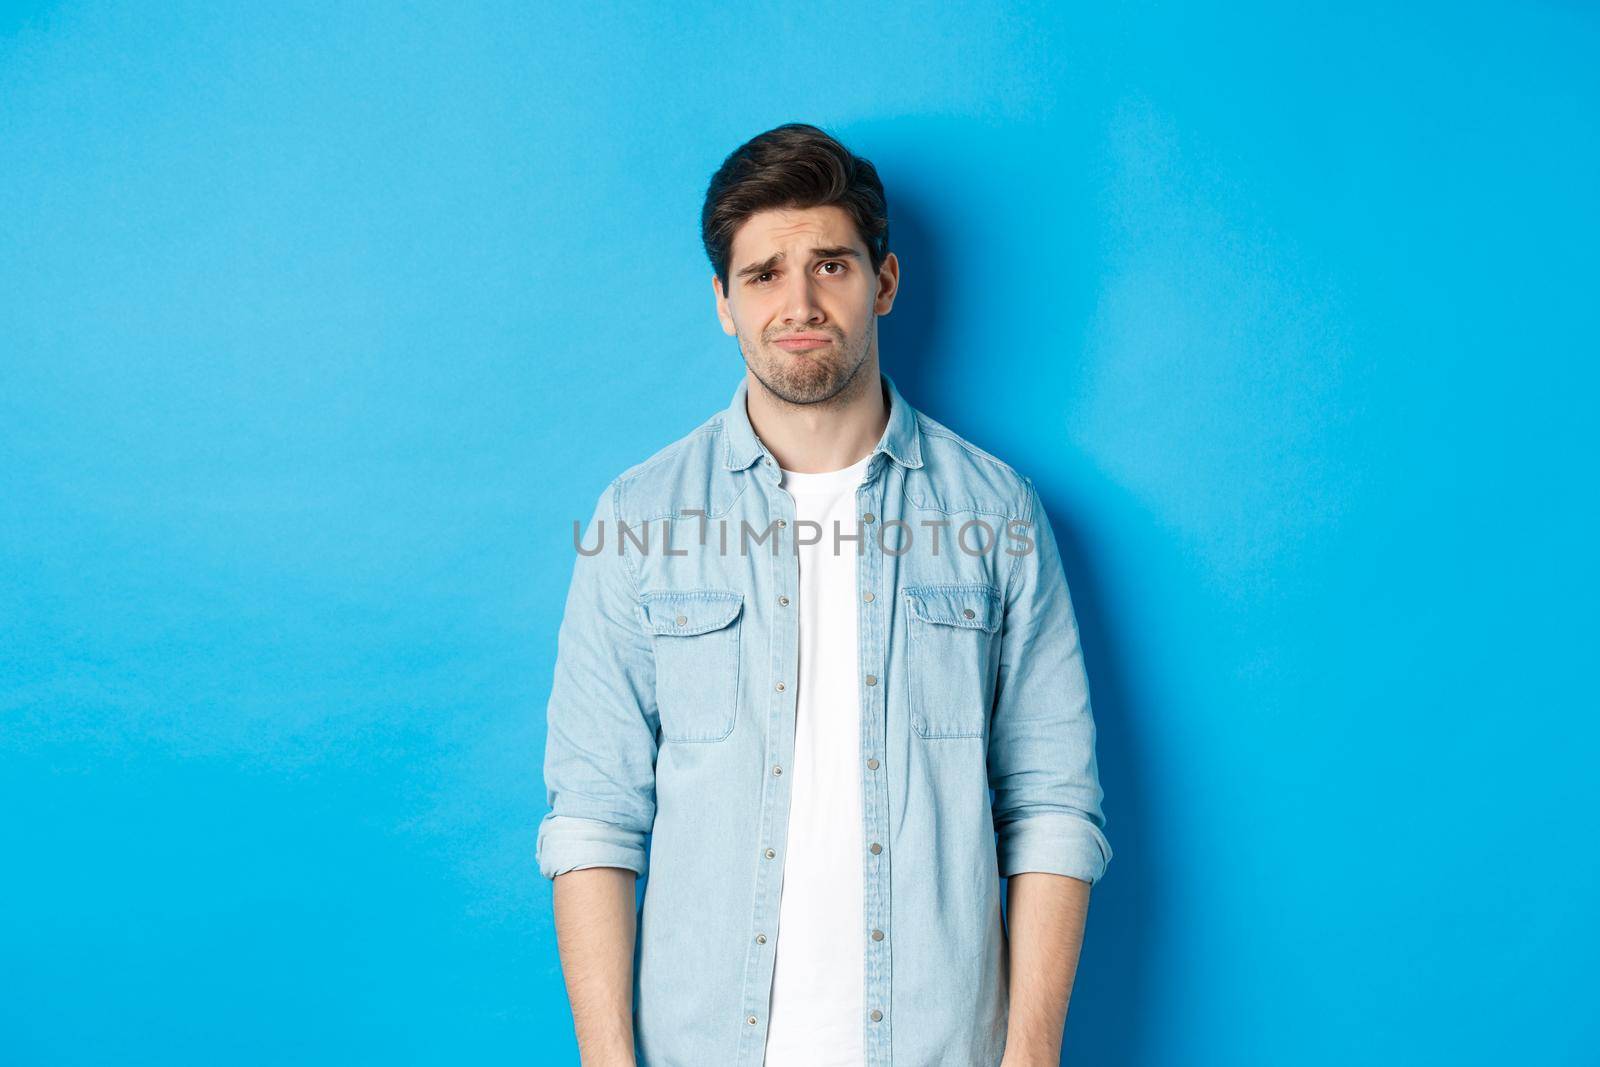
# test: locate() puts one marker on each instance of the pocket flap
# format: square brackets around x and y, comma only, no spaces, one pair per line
[690,611]
[974,605]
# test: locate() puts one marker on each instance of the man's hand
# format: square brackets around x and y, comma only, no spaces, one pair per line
[1021,1060]
[595,931]
[1045,915]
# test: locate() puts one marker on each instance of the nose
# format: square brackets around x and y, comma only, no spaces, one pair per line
[800,302]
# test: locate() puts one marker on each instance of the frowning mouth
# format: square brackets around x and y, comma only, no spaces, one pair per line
[802,342]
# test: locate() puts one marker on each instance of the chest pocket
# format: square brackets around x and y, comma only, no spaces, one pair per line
[696,638]
[953,651]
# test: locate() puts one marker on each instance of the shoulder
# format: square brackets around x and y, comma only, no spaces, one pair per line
[687,473]
[958,475]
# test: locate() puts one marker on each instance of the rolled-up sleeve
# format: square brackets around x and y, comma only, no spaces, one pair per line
[1041,758]
[600,747]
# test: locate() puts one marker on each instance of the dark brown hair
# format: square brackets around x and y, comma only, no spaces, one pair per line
[795,166]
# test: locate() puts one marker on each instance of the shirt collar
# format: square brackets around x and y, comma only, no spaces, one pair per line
[901,439]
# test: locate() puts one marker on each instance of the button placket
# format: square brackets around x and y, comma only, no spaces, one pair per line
[777,797]
[873,653]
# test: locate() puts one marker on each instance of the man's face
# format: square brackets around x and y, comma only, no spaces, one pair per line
[803,300]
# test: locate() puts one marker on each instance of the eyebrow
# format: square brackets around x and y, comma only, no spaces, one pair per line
[834,252]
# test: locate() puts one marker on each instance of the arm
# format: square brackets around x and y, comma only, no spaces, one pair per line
[1045,914]
[599,772]
[595,931]
[1041,761]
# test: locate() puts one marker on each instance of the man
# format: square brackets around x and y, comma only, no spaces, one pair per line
[801,646]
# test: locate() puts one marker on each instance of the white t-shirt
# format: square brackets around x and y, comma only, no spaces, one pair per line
[816,1011]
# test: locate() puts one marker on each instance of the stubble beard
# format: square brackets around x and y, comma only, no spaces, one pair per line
[805,377]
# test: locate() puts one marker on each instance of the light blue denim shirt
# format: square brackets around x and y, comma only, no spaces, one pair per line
[672,720]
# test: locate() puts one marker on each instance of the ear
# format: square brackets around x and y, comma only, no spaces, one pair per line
[723,314]
[888,284]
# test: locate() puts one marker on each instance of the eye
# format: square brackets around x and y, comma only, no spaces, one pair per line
[757,279]
[836,263]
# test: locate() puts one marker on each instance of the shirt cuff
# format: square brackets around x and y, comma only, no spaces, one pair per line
[567,843]
[1054,843]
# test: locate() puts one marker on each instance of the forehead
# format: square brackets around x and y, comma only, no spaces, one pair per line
[785,229]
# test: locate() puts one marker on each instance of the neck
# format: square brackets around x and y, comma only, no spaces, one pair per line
[826,436]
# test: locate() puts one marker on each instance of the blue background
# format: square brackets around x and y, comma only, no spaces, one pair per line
[319,328]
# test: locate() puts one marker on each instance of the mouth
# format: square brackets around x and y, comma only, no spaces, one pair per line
[803,343]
